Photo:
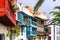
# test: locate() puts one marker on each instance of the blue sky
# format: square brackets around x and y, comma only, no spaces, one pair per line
[47,6]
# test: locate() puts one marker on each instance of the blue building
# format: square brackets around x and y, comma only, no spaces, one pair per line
[31,30]
[28,25]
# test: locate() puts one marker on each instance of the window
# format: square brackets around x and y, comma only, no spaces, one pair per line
[26,19]
[20,16]
[22,30]
[58,30]
[42,21]
[34,21]
[34,30]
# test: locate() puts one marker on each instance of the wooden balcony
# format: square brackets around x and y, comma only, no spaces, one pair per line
[40,31]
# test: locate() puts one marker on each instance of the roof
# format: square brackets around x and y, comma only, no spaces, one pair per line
[39,15]
[29,11]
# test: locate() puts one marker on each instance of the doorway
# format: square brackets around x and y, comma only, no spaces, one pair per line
[49,38]
[2,37]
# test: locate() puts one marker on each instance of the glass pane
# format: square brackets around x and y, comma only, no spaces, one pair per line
[26,19]
[34,30]
[34,21]
[20,16]
[42,21]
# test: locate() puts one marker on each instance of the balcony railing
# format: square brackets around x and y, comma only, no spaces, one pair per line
[33,24]
[40,29]
[33,32]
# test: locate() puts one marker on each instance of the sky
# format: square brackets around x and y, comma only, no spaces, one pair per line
[47,6]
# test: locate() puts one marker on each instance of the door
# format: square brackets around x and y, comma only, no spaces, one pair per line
[2,37]
[49,38]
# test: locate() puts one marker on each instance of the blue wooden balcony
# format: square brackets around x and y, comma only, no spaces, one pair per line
[33,22]
[30,31]
[22,19]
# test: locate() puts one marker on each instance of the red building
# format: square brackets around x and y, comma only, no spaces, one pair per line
[7,17]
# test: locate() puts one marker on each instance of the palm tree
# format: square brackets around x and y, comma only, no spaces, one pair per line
[38,4]
[56,15]
[54,0]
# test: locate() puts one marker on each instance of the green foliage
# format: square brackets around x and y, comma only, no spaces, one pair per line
[17,32]
[57,7]
[13,6]
[8,33]
[56,15]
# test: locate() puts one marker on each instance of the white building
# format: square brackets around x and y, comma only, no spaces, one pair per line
[55,31]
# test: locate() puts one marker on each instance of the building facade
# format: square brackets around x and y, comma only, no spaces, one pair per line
[55,32]
[41,26]
[7,18]
[32,29]
[31,26]
[28,26]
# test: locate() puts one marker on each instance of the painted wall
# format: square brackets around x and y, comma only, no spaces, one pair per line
[3,30]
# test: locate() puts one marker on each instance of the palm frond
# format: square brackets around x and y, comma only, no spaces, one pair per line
[54,0]
[53,13]
[39,3]
[57,7]
[56,15]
